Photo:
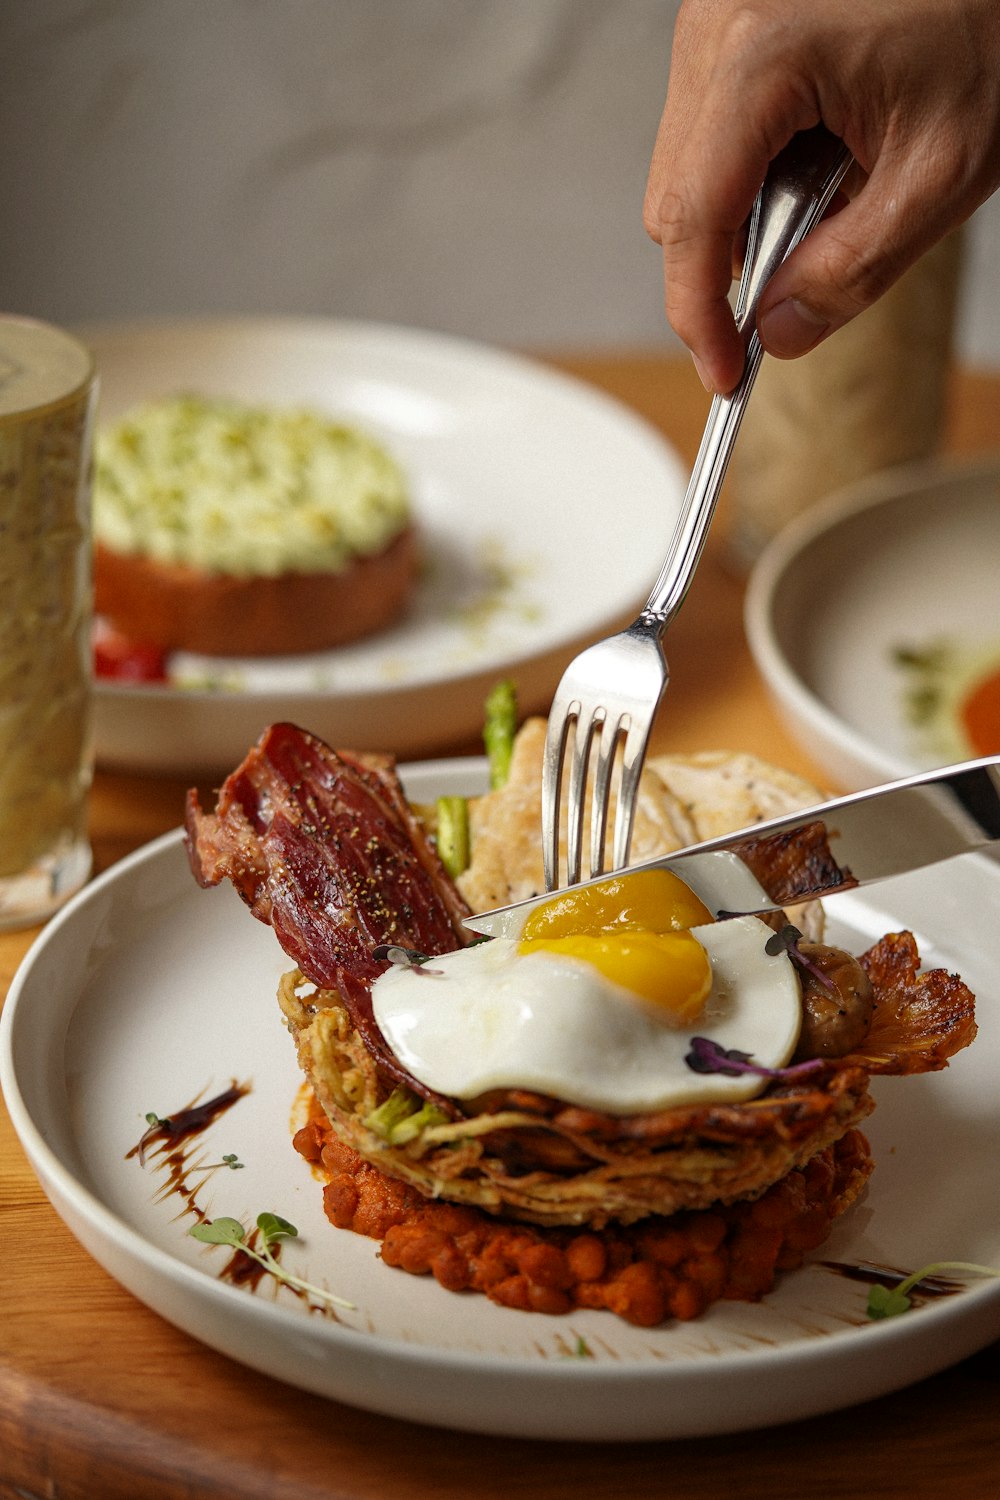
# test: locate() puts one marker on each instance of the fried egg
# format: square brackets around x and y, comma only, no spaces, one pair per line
[597,1001]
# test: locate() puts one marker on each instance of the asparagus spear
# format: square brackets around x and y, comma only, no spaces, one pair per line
[498,730]
[453,834]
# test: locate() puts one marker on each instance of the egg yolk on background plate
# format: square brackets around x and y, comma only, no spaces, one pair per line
[980,715]
[951,697]
[634,929]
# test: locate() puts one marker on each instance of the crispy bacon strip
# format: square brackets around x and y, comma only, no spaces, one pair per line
[325,849]
[921,1018]
[792,866]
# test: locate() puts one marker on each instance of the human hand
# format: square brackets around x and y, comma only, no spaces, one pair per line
[912,87]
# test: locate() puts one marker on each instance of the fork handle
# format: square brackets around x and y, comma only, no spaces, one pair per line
[797,189]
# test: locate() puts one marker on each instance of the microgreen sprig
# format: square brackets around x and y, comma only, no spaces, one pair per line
[580,1350]
[230,1160]
[787,939]
[273,1230]
[156,1123]
[707,1056]
[403,958]
[889,1302]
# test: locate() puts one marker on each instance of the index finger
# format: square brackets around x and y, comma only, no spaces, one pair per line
[704,176]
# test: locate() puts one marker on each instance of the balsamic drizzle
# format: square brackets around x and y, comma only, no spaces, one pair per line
[929,1287]
[177,1133]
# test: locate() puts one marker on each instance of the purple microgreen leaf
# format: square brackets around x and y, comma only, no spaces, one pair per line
[402,958]
[707,1056]
[787,938]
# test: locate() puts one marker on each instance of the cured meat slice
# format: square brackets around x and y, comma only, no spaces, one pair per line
[324,847]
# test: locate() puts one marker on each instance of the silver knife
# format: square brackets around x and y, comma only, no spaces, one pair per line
[882,831]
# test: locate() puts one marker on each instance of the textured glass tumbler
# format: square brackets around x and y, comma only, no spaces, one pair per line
[47,399]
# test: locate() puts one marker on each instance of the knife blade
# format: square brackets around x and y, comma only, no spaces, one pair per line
[887,830]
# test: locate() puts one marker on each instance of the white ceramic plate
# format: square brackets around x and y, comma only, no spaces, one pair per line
[904,559]
[544,506]
[147,991]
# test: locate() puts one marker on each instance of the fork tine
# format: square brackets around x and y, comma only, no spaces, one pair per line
[633,757]
[602,791]
[562,718]
[583,743]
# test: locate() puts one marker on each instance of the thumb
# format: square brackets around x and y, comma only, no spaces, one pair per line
[846,265]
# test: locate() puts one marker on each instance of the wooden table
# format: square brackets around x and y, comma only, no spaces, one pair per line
[99,1398]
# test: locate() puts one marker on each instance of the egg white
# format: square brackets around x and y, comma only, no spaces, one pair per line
[489,1017]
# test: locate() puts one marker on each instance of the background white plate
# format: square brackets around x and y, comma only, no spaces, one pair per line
[146,991]
[512,466]
[903,558]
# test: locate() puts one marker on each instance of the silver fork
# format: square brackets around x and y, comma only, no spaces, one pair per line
[611,691]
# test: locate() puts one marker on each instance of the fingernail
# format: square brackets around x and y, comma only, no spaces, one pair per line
[703,376]
[790,328]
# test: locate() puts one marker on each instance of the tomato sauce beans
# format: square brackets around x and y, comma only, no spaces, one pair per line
[645,1273]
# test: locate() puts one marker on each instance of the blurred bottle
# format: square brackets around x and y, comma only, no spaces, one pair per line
[872,395]
[47,397]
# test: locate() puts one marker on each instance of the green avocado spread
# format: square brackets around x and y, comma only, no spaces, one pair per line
[245,490]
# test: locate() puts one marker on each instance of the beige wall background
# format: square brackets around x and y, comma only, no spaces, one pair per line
[475,166]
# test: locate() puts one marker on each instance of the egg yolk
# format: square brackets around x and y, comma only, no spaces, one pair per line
[633,928]
[980,714]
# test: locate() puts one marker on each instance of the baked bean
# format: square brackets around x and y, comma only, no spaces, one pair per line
[687,1301]
[308,1141]
[752,1261]
[545,1265]
[548,1299]
[636,1295]
[587,1257]
[454,1219]
[412,1247]
[590,1294]
[771,1212]
[450,1268]
[806,1232]
[491,1265]
[664,1244]
[340,1201]
[709,1272]
[706,1231]
[511,1292]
